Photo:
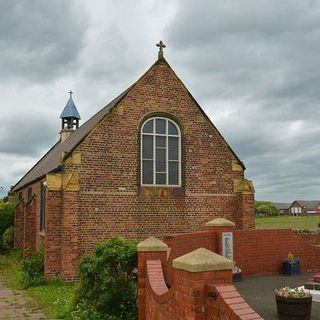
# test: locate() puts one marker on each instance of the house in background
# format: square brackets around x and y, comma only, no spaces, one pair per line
[302,207]
[283,208]
[149,163]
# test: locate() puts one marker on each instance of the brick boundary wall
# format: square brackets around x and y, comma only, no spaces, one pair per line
[201,287]
[267,247]
[165,292]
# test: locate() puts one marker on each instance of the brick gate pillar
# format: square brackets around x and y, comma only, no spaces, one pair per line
[221,229]
[192,274]
[150,249]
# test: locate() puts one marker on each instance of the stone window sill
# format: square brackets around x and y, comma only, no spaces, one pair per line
[164,192]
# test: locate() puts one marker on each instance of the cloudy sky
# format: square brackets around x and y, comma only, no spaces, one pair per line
[253,65]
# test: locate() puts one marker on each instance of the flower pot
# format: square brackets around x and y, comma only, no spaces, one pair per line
[294,308]
[291,268]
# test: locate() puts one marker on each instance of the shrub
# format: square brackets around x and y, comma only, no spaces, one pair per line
[108,284]
[7,239]
[33,269]
[265,209]
[6,218]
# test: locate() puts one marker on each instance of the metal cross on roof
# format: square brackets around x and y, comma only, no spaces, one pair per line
[71,93]
[161,46]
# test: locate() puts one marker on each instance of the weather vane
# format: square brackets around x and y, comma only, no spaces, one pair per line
[161,46]
[71,93]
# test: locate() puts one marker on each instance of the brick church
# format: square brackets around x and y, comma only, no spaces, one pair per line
[149,163]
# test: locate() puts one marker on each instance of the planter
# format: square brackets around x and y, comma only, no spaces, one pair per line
[291,268]
[294,308]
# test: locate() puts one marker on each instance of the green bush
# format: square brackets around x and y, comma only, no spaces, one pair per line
[6,218]
[108,284]
[265,208]
[7,239]
[33,269]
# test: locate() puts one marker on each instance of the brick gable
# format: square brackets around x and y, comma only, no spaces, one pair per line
[101,194]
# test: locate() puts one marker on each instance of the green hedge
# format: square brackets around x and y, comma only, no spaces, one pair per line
[108,284]
[6,219]
[32,268]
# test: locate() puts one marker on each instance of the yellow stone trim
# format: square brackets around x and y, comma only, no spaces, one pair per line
[200,117]
[236,166]
[68,181]
[119,109]
[54,181]
[74,158]
[243,186]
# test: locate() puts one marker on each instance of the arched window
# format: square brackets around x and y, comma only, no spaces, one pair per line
[160,153]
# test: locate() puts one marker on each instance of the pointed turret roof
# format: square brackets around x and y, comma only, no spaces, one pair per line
[70,110]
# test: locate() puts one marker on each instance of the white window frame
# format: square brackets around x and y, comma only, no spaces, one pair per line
[167,135]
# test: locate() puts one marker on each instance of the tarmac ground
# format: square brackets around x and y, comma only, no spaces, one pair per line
[259,293]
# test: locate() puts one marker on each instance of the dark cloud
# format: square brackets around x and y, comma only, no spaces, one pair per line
[257,64]
[27,135]
[40,40]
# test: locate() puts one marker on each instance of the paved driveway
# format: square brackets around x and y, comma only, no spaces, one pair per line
[14,305]
[259,293]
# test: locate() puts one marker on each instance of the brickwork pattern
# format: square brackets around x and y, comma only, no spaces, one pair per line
[112,202]
[273,245]
[192,295]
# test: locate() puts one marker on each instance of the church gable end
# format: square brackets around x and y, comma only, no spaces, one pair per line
[116,139]
[191,174]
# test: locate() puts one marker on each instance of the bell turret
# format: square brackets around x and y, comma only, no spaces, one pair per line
[70,118]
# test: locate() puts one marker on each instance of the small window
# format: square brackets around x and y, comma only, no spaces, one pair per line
[160,153]
[20,196]
[42,206]
[29,193]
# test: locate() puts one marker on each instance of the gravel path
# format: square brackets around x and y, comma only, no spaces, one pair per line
[14,304]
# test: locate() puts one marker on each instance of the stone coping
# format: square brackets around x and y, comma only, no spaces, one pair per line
[202,260]
[152,244]
[220,222]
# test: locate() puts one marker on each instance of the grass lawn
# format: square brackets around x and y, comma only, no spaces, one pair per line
[309,223]
[54,297]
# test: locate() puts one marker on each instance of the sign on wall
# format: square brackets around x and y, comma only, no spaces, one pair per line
[227,245]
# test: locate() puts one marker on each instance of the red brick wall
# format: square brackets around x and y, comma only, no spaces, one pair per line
[180,244]
[19,226]
[193,295]
[257,252]
[53,233]
[260,252]
[111,201]
[27,220]
[30,224]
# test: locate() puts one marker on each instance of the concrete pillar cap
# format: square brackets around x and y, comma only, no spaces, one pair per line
[152,244]
[202,260]
[220,222]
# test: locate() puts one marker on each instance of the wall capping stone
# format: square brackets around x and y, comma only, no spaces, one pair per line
[152,244]
[220,222]
[202,260]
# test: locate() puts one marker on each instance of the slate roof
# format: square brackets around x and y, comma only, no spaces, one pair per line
[281,205]
[51,161]
[70,110]
[311,204]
